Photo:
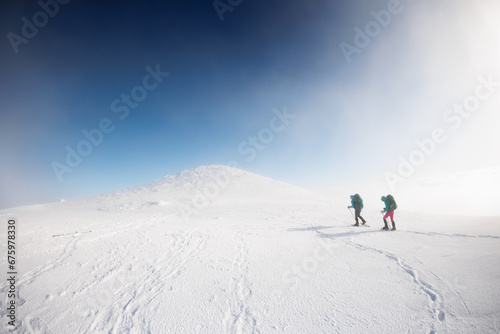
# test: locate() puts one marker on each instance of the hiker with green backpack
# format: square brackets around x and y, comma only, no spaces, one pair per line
[390,206]
[357,204]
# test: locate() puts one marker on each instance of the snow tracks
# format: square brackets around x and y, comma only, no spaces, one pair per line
[239,318]
[138,295]
[436,306]
[110,281]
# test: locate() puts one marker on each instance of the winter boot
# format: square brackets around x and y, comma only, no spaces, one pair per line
[357,224]
[393,226]
[363,221]
[385,227]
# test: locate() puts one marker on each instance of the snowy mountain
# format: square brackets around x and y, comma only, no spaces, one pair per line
[219,250]
[198,187]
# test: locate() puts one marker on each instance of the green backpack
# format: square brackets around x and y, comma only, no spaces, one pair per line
[358,202]
[392,203]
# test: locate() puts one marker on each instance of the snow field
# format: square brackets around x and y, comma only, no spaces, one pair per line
[261,257]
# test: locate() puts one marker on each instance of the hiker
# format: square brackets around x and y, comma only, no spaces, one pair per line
[357,204]
[390,206]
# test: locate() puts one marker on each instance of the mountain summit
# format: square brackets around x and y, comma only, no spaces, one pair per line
[201,186]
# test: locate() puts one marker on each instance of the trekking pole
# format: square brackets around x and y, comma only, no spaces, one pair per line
[351,212]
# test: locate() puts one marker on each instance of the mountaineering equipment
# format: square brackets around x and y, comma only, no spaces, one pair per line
[392,203]
[357,202]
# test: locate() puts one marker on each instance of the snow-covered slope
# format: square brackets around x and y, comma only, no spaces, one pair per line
[220,250]
[196,188]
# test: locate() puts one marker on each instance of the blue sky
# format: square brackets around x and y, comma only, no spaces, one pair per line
[352,116]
